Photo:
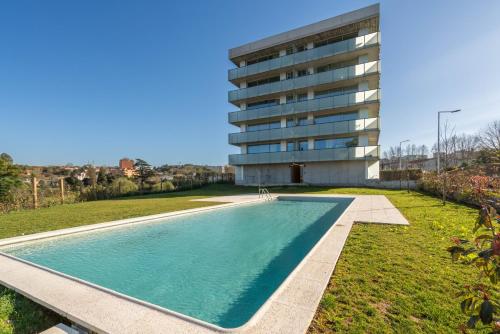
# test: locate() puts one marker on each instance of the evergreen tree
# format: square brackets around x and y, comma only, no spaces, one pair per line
[9,175]
[102,178]
[144,171]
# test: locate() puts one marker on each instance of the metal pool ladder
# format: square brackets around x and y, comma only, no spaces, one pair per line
[263,192]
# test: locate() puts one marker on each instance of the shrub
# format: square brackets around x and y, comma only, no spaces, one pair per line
[167,186]
[122,186]
[396,175]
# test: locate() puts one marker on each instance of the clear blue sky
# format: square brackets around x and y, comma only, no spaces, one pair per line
[94,81]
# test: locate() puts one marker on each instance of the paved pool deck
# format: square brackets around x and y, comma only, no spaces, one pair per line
[289,310]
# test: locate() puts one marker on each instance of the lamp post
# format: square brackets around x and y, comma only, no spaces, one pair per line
[439,135]
[400,168]
[401,151]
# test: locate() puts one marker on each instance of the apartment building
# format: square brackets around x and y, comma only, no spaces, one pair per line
[308,103]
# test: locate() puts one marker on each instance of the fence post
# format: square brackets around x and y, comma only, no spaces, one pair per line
[34,184]
[61,184]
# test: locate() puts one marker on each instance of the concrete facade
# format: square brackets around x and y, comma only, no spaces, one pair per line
[309,103]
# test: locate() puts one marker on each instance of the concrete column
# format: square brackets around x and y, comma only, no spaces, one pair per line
[282,52]
[243,63]
[283,122]
[310,94]
[243,127]
[283,76]
[283,146]
[243,148]
[243,84]
[310,118]
[310,45]
[243,106]
[282,99]
[310,143]
[310,70]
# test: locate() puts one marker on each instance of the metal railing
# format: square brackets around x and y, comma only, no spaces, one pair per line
[306,56]
[303,131]
[331,154]
[309,80]
[317,104]
[264,193]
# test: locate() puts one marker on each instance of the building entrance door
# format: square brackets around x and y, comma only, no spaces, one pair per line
[296,173]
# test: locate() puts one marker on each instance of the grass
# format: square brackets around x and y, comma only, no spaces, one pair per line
[389,279]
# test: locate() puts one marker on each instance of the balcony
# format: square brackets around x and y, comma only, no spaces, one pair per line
[306,56]
[312,130]
[311,80]
[333,154]
[287,109]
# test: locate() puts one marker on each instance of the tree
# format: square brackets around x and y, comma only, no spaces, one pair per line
[91,178]
[6,157]
[122,185]
[9,176]
[144,171]
[489,138]
[102,178]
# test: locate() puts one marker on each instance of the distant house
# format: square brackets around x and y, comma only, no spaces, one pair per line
[126,163]
[127,167]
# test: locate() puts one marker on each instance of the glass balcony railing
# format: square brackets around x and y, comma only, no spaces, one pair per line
[332,154]
[324,103]
[311,80]
[312,130]
[306,56]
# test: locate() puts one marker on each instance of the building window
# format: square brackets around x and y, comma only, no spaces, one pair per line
[301,73]
[262,104]
[264,148]
[335,92]
[335,118]
[303,121]
[322,144]
[263,126]
[335,39]
[263,58]
[303,146]
[263,81]
[290,146]
[334,66]
[290,122]
[302,97]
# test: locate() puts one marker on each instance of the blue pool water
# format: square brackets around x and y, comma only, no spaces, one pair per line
[219,266]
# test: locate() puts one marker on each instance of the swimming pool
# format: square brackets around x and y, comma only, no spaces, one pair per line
[218,266]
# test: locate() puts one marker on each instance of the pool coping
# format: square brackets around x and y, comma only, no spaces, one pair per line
[266,319]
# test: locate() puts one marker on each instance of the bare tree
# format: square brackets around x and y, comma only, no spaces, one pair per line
[489,138]
[447,144]
[466,146]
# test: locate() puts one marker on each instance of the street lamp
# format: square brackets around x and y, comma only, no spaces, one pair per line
[439,135]
[401,151]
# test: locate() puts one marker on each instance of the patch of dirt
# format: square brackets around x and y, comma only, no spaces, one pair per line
[382,307]
[415,319]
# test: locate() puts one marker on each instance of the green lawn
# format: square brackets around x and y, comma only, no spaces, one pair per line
[388,278]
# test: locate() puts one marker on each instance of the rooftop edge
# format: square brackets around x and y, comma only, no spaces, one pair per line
[308,30]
